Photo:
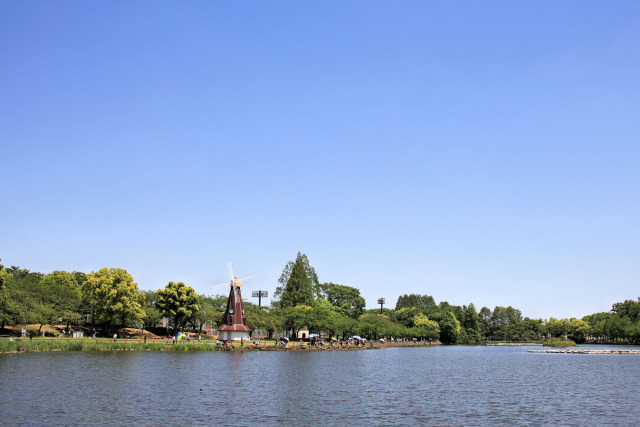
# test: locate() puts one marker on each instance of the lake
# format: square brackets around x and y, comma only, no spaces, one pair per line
[439,385]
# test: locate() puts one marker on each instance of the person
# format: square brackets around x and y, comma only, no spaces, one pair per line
[94,334]
[115,337]
[10,339]
[145,338]
[199,338]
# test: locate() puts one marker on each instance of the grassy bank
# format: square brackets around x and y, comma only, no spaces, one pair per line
[559,342]
[36,345]
[105,344]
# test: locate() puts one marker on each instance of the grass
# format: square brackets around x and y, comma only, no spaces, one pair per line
[100,344]
[559,342]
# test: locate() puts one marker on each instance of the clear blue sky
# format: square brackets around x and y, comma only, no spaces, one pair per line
[483,152]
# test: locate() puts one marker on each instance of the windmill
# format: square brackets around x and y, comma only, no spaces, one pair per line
[234,322]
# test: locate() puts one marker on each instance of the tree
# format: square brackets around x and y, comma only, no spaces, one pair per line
[471,323]
[373,326]
[577,329]
[152,316]
[345,299]
[212,309]
[294,318]
[178,302]
[415,300]
[298,283]
[557,328]
[628,308]
[449,328]
[113,297]
[425,328]
[405,316]
[261,318]
[62,293]
[3,297]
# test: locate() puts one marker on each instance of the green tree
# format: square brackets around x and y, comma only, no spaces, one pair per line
[577,330]
[405,316]
[557,327]
[373,326]
[449,328]
[113,297]
[470,321]
[415,300]
[3,298]
[211,310]
[261,318]
[179,303]
[61,292]
[152,316]
[628,308]
[295,318]
[298,283]
[425,328]
[345,299]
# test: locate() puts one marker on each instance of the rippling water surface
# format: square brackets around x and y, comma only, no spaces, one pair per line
[452,385]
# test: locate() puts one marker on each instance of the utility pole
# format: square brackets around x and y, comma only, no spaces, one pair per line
[381,302]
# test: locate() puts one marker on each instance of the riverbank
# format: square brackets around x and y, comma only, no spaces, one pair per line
[584,351]
[37,345]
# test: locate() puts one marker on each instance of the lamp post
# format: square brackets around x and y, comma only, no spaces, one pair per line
[381,302]
[259,295]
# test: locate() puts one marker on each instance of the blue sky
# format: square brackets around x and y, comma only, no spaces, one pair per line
[483,152]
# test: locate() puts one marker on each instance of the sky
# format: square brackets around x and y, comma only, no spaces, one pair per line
[478,152]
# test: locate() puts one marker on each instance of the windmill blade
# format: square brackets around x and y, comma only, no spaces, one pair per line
[230,270]
[221,285]
[251,276]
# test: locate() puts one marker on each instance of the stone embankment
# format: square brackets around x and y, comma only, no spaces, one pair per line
[574,351]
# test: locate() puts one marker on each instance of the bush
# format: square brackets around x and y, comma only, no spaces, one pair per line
[559,342]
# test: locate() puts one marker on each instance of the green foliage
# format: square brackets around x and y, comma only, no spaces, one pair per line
[345,299]
[178,302]
[212,309]
[113,297]
[298,283]
[559,342]
[295,318]
[62,293]
[577,329]
[628,308]
[422,302]
[425,328]
[374,326]
[405,316]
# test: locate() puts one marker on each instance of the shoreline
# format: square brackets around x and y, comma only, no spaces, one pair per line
[64,345]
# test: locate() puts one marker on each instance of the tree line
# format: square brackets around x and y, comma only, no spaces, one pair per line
[109,299]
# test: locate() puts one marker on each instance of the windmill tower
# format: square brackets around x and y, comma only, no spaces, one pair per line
[234,322]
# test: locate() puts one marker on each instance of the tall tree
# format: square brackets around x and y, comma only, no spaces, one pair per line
[113,296]
[415,300]
[178,302]
[298,283]
[61,292]
[3,297]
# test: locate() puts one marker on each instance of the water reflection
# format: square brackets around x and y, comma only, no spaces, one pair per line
[395,386]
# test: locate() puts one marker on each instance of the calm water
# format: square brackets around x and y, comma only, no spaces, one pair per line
[454,385]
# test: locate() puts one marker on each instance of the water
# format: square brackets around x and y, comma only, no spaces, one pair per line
[452,385]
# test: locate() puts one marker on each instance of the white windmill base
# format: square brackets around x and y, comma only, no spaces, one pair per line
[233,336]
